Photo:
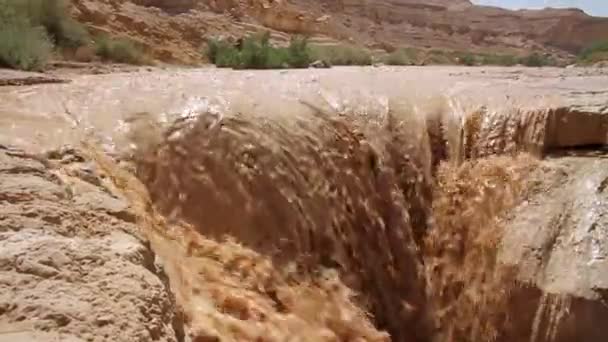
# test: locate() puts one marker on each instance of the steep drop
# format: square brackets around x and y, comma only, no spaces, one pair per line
[378,196]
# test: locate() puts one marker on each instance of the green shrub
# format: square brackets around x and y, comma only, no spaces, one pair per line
[535,60]
[54,16]
[595,52]
[280,58]
[341,54]
[467,59]
[22,45]
[215,48]
[228,58]
[119,50]
[256,52]
[298,53]
[439,57]
[401,57]
[498,59]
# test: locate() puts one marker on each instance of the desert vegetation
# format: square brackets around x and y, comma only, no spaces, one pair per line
[531,60]
[22,46]
[403,56]
[498,59]
[594,53]
[480,59]
[536,60]
[256,52]
[32,31]
[344,54]
[119,50]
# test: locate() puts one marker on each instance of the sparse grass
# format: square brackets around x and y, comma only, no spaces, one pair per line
[119,50]
[256,52]
[345,54]
[404,56]
[594,53]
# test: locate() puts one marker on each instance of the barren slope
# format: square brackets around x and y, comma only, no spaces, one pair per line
[176,30]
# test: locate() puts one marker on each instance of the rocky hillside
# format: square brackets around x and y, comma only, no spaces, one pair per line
[462,25]
[175,30]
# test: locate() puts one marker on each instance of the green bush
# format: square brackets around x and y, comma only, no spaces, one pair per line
[535,60]
[467,59]
[498,59]
[595,52]
[298,53]
[119,50]
[228,58]
[54,16]
[341,54]
[439,57]
[401,57]
[215,48]
[22,45]
[256,52]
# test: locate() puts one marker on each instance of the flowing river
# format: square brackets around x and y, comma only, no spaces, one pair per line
[394,178]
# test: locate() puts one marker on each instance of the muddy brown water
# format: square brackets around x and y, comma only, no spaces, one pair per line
[44,115]
[326,168]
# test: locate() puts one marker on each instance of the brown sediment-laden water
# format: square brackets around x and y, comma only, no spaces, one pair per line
[332,213]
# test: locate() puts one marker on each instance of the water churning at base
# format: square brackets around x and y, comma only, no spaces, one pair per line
[361,192]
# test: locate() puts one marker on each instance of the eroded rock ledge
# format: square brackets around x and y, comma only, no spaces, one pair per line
[72,265]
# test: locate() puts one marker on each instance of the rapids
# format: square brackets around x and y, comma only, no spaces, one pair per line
[395,186]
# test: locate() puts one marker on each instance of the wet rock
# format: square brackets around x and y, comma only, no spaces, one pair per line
[320,64]
[558,241]
[23,78]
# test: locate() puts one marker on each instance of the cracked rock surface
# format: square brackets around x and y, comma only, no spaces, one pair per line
[72,265]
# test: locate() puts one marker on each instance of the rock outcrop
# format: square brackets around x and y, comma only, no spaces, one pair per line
[556,239]
[176,30]
[464,26]
[72,264]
